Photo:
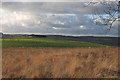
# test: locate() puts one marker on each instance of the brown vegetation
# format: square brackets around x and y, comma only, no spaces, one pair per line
[59,62]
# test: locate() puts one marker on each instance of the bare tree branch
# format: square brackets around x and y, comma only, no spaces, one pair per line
[111,13]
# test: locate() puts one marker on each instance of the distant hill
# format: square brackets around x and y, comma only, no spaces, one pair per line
[1,35]
[13,35]
[111,41]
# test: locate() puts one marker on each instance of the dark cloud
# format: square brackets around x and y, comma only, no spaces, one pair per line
[49,7]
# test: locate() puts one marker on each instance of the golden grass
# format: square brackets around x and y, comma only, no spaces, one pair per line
[59,62]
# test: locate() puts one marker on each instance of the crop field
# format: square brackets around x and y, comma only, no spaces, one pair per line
[45,42]
[46,62]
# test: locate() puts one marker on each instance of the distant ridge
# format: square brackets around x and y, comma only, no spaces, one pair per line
[112,41]
[58,35]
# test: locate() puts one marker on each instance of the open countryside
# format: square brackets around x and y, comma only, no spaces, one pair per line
[57,58]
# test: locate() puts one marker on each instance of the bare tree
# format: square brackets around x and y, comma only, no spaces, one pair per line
[108,15]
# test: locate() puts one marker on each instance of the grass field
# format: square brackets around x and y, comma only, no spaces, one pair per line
[45,42]
[42,62]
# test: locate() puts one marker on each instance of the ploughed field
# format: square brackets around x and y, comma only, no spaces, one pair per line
[53,62]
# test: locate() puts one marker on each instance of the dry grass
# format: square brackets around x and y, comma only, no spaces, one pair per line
[59,62]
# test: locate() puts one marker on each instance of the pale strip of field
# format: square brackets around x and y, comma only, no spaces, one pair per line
[43,62]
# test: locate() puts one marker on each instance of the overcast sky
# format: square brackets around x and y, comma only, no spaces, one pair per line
[55,18]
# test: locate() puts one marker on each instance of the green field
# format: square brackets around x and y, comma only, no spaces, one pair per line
[45,42]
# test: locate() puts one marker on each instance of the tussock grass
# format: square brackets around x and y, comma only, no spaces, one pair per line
[42,62]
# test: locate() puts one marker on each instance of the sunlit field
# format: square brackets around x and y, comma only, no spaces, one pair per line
[45,42]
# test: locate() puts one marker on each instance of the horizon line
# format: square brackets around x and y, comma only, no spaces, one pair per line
[63,34]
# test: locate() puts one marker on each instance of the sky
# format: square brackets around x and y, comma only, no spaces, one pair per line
[53,18]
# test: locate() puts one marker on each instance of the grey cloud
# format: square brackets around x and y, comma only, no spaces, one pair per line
[52,7]
[43,19]
[55,0]
[47,24]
